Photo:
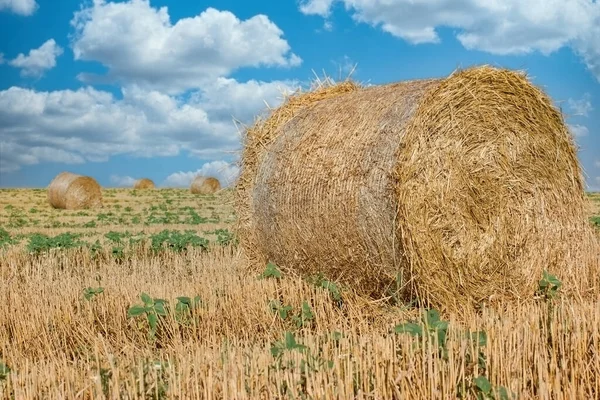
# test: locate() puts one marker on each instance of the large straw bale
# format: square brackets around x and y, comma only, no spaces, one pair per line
[71,191]
[144,183]
[205,185]
[458,191]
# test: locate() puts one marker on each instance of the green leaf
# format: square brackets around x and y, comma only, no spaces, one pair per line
[160,308]
[503,393]
[146,299]
[152,321]
[432,318]
[483,384]
[307,314]
[185,300]
[4,370]
[290,340]
[135,311]
[271,271]
[276,350]
[410,328]
[480,337]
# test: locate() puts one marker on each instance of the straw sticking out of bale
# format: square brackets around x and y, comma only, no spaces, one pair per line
[71,191]
[456,190]
[205,185]
[144,183]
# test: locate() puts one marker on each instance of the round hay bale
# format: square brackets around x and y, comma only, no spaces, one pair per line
[205,185]
[144,183]
[71,191]
[455,191]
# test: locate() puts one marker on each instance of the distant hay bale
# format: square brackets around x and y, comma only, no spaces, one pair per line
[71,191]
[455,191]
[144,183]
[205,185]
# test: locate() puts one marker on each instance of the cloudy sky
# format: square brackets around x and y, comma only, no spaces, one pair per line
[125,89]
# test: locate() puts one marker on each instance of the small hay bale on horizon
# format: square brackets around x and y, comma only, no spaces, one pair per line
[451,191]
[71,192]
[205,185]
[144,183]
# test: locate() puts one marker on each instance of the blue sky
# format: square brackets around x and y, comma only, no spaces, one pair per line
[124,89]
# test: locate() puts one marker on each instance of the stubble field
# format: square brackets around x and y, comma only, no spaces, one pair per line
[149,297]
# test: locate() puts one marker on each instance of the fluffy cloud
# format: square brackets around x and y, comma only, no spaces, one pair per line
[139,44]
[21,7]
[38,60]
[88,124]
[499,27]
[225,172]
[122,181]
[14,155]
[578,130]
[581,107]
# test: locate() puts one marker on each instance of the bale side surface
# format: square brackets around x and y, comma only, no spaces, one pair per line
[144,183]
[462,190]
[205,185]
[71,191]
[257,139]
[323,198]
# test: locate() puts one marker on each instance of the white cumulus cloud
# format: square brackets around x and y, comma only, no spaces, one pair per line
[38,60]
[581,107]
[21,7]
[495,26]
[122,181]
[578,130]
[93,125]
[139,44]
[225,172]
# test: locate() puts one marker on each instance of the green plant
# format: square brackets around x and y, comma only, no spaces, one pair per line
[224,237]
[116,237]
[484,390]
[431,327]
[5,238]
[177,241]
[89,293]
[152,309]
[271,271]
[185,308]
[39,243]
[548,286]
[304,317]
[4,370]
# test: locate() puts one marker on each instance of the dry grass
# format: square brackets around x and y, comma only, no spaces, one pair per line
[59,345]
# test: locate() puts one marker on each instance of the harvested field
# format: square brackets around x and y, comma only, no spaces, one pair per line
[69,328]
